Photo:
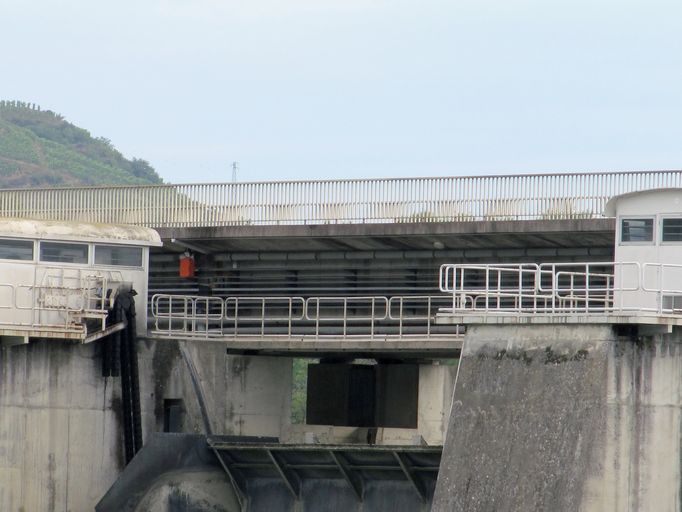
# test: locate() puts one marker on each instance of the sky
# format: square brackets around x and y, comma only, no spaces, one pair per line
[314,89]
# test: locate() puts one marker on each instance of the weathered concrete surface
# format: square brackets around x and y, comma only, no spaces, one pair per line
[436,383]
[563,418]
[60,438]
[242,395]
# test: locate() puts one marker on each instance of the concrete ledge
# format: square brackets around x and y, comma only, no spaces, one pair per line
[666,322]
[393,229]
[441,347]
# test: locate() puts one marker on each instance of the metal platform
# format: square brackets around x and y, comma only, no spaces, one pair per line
[19,334]
[356,464]
[313,326]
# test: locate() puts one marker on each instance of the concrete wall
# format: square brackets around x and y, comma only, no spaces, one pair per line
[242,395]
[564,418]
[61,441]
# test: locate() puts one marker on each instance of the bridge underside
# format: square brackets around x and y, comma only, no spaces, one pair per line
[356,348]
[492,235]
[372,259]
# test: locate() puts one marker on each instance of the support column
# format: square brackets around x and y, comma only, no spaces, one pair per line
[563,418]
[436,383]
[258,395]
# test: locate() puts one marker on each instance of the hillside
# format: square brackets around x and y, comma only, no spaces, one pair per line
[38,148]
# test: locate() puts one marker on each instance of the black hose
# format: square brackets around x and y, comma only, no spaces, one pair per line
[119,356]
[126,388]
[131,331]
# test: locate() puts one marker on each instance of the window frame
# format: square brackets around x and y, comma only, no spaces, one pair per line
[16,239]
[118,246]
[660,238]
[654,237]
[64,242]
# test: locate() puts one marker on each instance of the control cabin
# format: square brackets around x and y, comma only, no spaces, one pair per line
[648,250]
[59,279]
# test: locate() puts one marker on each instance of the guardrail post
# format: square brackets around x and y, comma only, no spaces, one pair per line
[428,317]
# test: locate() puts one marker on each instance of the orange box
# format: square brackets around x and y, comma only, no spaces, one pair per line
[187,266]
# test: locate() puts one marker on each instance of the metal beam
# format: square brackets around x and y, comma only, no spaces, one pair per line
[238,488]
[290,477]
[353,479]
[409,474]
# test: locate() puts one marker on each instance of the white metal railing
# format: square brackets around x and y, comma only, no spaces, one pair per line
[562,288]
[60,299]
[248,317]
[537,196]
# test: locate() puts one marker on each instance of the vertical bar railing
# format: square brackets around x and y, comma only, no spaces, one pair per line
[540,196]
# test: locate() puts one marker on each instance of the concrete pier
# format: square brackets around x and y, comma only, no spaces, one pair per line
[564,418]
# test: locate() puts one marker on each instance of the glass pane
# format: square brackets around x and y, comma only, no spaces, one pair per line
[637,230]
[63,252]
[16,250]
[672,230]
[118,255]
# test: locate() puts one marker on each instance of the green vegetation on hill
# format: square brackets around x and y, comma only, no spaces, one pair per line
[39,148]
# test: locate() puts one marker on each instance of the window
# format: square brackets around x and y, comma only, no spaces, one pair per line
[63,252]
[16,250]
[672,303]
[671,229]
[637,230]
[118,255]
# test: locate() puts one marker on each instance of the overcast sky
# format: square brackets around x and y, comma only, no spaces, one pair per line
[306,89]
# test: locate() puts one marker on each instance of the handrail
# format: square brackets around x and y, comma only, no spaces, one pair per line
[281,317]
[560,288]
[386,200]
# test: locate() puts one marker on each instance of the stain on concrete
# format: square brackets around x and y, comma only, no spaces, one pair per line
[117,409]
[165,357]
[51,483]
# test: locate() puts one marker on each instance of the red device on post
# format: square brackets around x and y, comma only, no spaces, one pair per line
[187,265]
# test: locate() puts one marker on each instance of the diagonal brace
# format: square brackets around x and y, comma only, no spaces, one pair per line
[409,473]
[237,482]
[353,479]
[288,475]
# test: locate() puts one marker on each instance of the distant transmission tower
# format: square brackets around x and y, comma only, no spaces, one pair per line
[234,172]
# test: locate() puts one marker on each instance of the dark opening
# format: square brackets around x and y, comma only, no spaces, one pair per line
[361,395]
[173,412]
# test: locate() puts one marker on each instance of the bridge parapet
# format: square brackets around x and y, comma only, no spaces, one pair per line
[399,200]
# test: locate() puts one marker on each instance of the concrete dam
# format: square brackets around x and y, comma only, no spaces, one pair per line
[496,343]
